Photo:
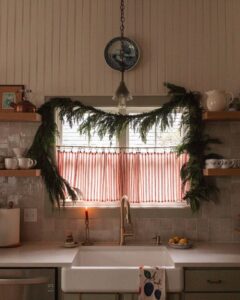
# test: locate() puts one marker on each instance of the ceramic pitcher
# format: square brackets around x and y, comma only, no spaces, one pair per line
[218,100]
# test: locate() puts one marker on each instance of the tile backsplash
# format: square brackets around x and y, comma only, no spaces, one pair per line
[215,222]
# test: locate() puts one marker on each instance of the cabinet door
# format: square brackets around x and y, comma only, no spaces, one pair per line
[170,296]
[212,296]
[173,296]
[70,296]
[212,280]
[112,297]
[99,297]
[128,297]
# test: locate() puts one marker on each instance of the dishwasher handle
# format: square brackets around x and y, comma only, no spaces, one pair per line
[24,281]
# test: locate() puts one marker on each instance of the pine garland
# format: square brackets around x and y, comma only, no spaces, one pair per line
[195,142]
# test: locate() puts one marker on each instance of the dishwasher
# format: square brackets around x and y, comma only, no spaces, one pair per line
[28,284]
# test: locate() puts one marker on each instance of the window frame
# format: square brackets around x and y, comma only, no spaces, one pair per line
[122,142]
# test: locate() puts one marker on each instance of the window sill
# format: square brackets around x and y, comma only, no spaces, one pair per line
[81,204]
[114,212]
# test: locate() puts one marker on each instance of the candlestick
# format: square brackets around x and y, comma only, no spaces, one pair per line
[86,214]
[87,241]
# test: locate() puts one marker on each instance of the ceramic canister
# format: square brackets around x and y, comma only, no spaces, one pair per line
[9,227]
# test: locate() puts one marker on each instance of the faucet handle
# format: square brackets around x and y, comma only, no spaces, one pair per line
[157,238]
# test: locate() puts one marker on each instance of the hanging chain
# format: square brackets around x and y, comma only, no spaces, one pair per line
[122,20]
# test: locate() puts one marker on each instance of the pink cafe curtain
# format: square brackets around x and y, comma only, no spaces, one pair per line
[107,176]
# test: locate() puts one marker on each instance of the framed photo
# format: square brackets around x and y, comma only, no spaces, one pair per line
[10,94]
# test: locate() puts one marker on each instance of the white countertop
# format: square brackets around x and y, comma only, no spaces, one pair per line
[37,254]
[207,254]
[49,254]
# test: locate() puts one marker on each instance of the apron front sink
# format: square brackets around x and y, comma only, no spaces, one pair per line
[113,269]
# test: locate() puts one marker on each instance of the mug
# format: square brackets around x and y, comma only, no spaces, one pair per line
[26,163]
[11,163]
[227,163]
[236,163]
[212,163]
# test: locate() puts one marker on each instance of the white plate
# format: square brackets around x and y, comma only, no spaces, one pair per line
[71,245]
[177,246]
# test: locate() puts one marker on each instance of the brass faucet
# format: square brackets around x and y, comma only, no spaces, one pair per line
[125,216]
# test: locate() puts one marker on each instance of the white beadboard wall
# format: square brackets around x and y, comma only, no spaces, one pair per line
[56,46]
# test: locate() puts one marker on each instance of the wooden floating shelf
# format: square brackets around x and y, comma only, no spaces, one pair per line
[221,172]
[20,173]
[221,116]
[19,117]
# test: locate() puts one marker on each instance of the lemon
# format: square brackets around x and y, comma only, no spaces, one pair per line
[176,239]
[183,241]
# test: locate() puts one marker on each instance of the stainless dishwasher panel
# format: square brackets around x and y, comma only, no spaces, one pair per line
[28,284]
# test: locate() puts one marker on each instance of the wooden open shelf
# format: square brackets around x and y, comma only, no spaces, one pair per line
[19,117]
[221,172]
[20,173]
[221,116]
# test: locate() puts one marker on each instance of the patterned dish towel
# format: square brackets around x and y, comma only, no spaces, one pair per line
[152,284]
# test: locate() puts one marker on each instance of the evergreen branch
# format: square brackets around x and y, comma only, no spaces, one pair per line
[194,142]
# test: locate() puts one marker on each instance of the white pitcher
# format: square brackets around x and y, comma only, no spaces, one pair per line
[218,100]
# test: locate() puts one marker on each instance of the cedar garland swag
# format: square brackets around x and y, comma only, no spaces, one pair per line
[195,142]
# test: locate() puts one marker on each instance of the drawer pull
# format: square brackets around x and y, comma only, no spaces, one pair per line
[214,281]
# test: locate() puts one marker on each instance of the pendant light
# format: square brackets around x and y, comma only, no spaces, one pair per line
[122,94]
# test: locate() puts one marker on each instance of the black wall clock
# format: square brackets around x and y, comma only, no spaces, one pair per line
[130,57]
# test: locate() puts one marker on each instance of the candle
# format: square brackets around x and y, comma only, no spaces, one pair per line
[86,214]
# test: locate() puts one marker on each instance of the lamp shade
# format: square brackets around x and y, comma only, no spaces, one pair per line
[122,94]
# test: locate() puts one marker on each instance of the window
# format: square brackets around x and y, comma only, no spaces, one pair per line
[71,137]
[105,170]
[156,138]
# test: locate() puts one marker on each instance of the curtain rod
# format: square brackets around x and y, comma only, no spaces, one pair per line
[103,147]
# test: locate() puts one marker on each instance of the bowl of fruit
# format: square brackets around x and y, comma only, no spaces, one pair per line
[178,242]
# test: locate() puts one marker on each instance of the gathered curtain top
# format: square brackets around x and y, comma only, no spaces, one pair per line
[88,149]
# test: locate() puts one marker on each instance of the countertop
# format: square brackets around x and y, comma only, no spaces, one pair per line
[52,254]
[37,254]
[207,254]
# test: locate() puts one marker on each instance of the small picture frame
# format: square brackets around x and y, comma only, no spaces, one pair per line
[10,94]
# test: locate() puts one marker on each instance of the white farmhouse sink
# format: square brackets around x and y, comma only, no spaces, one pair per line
[114,269]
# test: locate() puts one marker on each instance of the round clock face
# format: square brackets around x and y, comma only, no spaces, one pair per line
[131,54]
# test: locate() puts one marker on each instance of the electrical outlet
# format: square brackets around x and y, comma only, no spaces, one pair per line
[30,215]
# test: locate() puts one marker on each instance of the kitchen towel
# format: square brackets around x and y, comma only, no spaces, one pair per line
[152,283]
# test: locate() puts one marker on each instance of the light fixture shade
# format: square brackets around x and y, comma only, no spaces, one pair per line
[122,94]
